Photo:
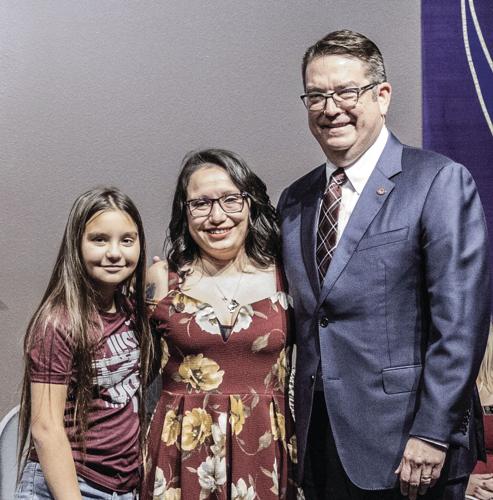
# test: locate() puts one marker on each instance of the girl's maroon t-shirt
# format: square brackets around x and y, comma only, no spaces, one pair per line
[112,454]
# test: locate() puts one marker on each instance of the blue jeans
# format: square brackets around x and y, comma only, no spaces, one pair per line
[32,486]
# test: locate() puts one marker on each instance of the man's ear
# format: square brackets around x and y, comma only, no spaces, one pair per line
[383,97]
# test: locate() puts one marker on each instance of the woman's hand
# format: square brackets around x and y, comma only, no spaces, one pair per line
[480,486]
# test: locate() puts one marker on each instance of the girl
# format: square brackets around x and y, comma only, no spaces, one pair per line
[87,349]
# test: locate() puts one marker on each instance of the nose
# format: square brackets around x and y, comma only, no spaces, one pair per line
[331,108]
[217,213]
[113,252]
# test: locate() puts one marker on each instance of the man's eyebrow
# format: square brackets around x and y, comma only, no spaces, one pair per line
[314,89]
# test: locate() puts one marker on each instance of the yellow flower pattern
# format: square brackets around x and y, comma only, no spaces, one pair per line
[280,369]
[196,428]
[200,373]
[237,418]
[171,428]
[183,304]
[172,494]
[277,424]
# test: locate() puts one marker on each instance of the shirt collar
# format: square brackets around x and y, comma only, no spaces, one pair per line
[359,172]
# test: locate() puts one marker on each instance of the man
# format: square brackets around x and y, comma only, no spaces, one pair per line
[385,253]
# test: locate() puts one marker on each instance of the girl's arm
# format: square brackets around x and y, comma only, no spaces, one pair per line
[51,442]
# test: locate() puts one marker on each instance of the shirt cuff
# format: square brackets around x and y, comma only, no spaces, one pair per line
[439,444]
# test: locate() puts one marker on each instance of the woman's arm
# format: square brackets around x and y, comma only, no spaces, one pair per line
[156,290]
[51,442]
[156,283]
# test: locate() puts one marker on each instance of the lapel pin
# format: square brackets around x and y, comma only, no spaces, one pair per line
[381,190]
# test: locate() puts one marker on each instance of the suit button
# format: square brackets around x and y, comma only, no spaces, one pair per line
[312,379]
[324,321]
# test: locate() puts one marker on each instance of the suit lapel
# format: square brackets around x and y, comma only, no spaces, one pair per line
[371,200]
[308,233]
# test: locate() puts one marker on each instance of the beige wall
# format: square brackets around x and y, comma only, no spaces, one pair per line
[115,92]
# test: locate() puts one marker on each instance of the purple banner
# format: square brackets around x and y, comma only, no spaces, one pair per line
[457,50]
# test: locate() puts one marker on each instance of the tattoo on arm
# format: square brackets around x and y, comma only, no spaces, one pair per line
[150,292]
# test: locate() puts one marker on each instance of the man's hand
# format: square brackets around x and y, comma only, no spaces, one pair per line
[480,486]
[420,467]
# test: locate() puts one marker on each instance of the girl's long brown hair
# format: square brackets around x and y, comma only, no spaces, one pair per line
[70,302]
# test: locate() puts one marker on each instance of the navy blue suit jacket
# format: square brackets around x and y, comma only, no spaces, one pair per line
[401,321]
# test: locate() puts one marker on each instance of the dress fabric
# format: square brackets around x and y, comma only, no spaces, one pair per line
[222,427]
[481,467]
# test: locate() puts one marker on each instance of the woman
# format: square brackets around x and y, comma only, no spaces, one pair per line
[221,428]
[480,484]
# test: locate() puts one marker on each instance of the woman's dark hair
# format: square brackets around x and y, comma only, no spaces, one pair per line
[262,242]
[71,303]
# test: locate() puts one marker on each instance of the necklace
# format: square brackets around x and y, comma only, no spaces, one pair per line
[231,303]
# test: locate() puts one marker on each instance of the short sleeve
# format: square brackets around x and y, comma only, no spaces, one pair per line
[51,357]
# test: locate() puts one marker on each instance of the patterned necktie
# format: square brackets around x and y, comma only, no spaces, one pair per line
[327,223]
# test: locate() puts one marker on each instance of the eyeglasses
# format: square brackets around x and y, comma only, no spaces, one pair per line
[230,203]
[345,98]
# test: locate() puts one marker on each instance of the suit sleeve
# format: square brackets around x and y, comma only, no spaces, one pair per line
[456,270]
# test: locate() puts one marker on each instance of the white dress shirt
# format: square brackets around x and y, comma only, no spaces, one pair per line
[358,174]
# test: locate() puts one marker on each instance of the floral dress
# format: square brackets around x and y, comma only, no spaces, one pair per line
[222,428]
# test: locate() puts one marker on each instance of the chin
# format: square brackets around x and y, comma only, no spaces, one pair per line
[338,143]
[222,253]
[335,147]
[110,282]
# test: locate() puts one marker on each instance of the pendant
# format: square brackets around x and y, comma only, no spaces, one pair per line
[232,305]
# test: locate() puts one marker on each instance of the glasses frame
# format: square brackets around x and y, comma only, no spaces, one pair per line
[327,96]
[219,200]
